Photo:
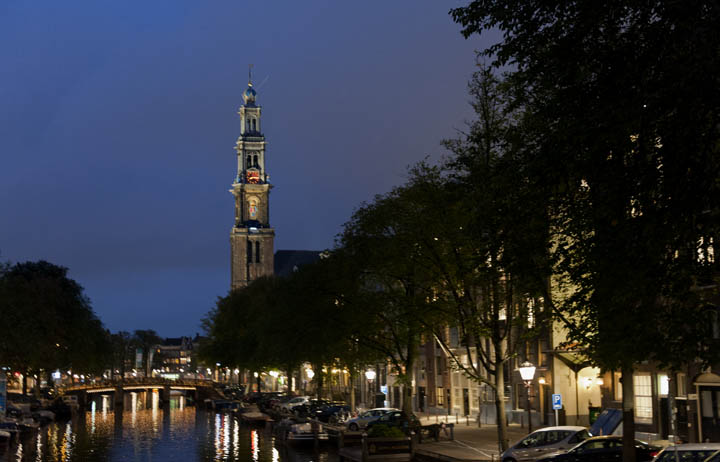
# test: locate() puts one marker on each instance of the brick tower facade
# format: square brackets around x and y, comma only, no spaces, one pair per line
[251,238]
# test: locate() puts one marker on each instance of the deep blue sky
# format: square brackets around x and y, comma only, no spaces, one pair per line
[118,121]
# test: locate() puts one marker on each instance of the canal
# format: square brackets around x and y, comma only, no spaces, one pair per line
[175,434]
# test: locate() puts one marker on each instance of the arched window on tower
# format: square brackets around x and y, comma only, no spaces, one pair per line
[249,162]
[249,251]
[257,252]
[255,161]
[253,125]
[247,125]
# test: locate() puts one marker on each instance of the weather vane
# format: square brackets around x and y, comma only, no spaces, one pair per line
[250,74]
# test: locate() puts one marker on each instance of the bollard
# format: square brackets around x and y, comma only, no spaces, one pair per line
[457,419]
[467,420]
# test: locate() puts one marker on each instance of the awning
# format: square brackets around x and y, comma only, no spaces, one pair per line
[575,359]
[707,379]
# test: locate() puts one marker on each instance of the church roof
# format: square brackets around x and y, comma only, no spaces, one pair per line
[286,261]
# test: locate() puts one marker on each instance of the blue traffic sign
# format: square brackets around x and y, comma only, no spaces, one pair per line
[557,401]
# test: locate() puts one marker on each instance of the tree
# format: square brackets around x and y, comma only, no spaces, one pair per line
[490,262]
[282,322]
[146,340]
[43,308]
[122,352]
[620,105]
[392,289]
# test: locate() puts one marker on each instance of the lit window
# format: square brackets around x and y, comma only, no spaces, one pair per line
[681,385]
[530,313]
[440,396]
[663,384]
[617,385]
[705,250]
[643,398]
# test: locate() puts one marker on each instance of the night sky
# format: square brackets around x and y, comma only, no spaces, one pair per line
[118,122]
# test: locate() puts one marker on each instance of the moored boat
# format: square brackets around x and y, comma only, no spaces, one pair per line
[292,431]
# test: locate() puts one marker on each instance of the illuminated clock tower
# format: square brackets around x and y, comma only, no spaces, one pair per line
[251,238]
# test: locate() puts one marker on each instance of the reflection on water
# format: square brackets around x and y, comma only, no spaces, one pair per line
[146,431]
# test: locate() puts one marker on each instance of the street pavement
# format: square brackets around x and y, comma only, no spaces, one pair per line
[470,443]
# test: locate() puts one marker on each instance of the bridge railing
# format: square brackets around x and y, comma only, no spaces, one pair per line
[150,381]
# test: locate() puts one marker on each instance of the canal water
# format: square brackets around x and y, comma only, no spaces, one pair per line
[177,434]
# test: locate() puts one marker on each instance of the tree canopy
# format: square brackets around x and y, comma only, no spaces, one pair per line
[620,104]
[48,322]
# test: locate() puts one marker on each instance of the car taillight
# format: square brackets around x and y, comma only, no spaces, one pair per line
[653,453]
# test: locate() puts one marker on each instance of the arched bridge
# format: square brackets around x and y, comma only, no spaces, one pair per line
[197,389]
[148,383]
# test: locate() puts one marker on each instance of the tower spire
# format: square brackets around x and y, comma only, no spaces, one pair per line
[251,237]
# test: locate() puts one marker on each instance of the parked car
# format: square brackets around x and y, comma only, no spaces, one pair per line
[308,409]
[695,452]
[544,441]
[333,412]
[361,421]
[399,419]
[715,457]
[296,401]
[602,449]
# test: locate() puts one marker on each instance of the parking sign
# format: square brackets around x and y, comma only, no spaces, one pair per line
[557,401]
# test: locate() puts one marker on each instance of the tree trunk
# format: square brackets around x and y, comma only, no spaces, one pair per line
[503,442]
[407,397]
[480,409]
[628,403]
[122,364]
[672,413]
[352,392]
[36,388]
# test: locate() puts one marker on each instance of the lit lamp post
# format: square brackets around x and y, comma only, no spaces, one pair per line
[309,373]
[527,372]
[370,376]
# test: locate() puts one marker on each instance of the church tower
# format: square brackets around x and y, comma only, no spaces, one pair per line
[251,238]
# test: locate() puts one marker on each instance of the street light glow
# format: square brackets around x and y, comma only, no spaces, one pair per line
[527,371]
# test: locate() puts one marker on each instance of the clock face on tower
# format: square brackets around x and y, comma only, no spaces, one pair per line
[253,176]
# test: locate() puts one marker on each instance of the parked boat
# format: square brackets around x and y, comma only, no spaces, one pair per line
[11,428]
[293,431]
[226,405]
[252,415]
[43,416]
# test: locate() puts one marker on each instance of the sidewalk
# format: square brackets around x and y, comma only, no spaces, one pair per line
[471,443]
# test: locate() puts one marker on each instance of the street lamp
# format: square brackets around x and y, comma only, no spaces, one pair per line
[370,376]
[527,372]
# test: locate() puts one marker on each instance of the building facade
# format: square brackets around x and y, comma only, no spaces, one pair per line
[252,237]
[176,357]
